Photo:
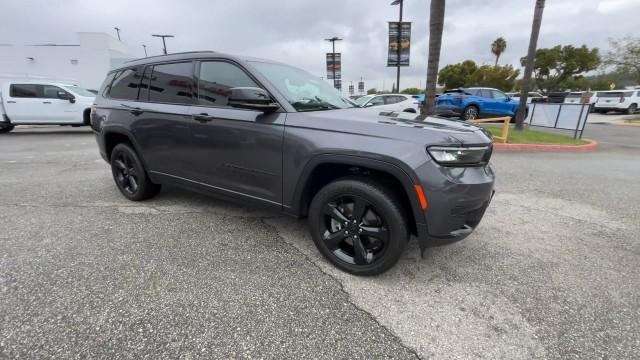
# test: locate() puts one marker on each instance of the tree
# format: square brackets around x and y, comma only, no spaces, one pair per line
[467,73]
[456,75]
[625,56]
[498,46]
[529,63]
[555,68]
[411,91]
[372,91]
[436,23]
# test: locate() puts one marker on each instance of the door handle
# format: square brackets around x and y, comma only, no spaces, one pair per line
[133,110]
[203,118]
[46,102]
[11,102]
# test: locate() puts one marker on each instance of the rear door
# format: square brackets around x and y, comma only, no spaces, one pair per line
[236,151]
[23,103]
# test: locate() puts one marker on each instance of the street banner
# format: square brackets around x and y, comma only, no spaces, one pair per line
[338,84]
[333,65]
[404,43]
[351,88]
[361,86]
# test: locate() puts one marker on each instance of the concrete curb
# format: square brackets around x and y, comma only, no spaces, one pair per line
[520,147]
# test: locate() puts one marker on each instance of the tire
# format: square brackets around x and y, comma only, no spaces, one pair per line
[632,109]
[471,112]
[380,227]
[129,174]
[409,110]
[6,129]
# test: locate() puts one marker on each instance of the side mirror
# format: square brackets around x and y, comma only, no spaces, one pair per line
[368,105]
[252,98]
[62,95]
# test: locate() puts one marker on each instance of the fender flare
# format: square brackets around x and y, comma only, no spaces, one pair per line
[121,130]
[403,174]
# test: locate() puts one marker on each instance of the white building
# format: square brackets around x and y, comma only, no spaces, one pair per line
[85,63]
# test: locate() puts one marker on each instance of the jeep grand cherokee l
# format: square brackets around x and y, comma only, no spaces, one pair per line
[263,132]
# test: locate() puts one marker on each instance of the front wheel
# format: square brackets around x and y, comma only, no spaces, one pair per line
[358,225]
[129,174]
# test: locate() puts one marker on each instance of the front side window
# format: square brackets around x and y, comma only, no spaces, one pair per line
[125,84]
[215,80]
[25,90]
[51,92]
[302,90]
[378,100]
[498,95]
[172,83]
[363,100]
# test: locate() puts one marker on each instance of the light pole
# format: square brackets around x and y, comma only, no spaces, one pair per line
[398,2]
[145,49]
[333,56]
[118,32]
[164,44]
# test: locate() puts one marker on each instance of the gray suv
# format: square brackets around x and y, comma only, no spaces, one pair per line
[266,133]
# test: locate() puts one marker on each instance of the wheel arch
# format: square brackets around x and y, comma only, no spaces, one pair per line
[325,168]
[113,136]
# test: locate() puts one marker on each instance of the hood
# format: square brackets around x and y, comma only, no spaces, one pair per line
[402,126]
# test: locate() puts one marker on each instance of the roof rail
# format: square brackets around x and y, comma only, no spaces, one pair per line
[179,53]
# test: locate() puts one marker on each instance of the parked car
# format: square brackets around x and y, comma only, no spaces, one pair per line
[626,101]
[476,102]
[557,97]
[390,102]
[43,103]
[266,133]
[533,97]
[582,97]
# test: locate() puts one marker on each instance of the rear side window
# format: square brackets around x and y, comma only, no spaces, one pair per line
[172,83]
[215,80]
[125,84]
[144,84]
[25,90]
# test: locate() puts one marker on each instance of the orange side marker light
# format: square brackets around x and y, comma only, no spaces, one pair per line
[421,197]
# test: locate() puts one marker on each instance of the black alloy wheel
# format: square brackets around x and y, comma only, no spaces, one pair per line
[358,225]
[130,175]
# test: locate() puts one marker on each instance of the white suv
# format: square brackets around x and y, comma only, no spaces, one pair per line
[43,103]
[618,100]
[390,102]
[582,97]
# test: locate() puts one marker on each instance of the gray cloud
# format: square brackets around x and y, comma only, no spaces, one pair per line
[292,31]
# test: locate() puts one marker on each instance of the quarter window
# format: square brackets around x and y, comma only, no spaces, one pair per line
[25,90]
[172,83]
[125,84]
[216,78]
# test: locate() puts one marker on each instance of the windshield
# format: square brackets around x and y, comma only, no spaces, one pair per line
[362,100]
[80,91]
[303,90]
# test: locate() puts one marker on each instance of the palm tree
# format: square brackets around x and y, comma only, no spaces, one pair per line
[498,47]
[436,23]
[528,69]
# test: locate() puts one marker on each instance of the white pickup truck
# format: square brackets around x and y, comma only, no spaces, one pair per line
[32,102]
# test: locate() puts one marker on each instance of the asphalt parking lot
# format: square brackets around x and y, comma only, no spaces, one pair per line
[551,272]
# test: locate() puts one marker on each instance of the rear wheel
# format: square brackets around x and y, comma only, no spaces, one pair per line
[6,128]
[358,225]
[470,113]
[129,174]
[632,109]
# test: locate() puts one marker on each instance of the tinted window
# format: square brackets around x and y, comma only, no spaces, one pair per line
[144,84]
[394,99]
[25,90]
[172,83]
[378,100]
[215,80]
[106,85]
[125,84]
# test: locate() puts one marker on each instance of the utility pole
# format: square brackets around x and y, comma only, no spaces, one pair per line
[333,56]
[118,32]
[528,69]
[164,44]
[145,49]
[401,3]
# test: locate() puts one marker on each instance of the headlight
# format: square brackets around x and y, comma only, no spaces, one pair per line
[446,155]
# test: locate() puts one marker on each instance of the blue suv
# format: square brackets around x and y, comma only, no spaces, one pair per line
[476,102]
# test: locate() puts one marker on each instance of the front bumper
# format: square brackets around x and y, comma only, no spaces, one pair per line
[457,199]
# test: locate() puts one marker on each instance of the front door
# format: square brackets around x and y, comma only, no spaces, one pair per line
[236,151]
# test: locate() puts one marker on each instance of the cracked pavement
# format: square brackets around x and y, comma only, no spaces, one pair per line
[551,272]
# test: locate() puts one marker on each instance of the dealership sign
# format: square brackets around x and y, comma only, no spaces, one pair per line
[399,43]
[333,65]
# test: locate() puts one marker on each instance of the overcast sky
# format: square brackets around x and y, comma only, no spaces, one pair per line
[292,31]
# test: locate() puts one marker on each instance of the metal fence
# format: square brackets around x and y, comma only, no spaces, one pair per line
[560,116]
